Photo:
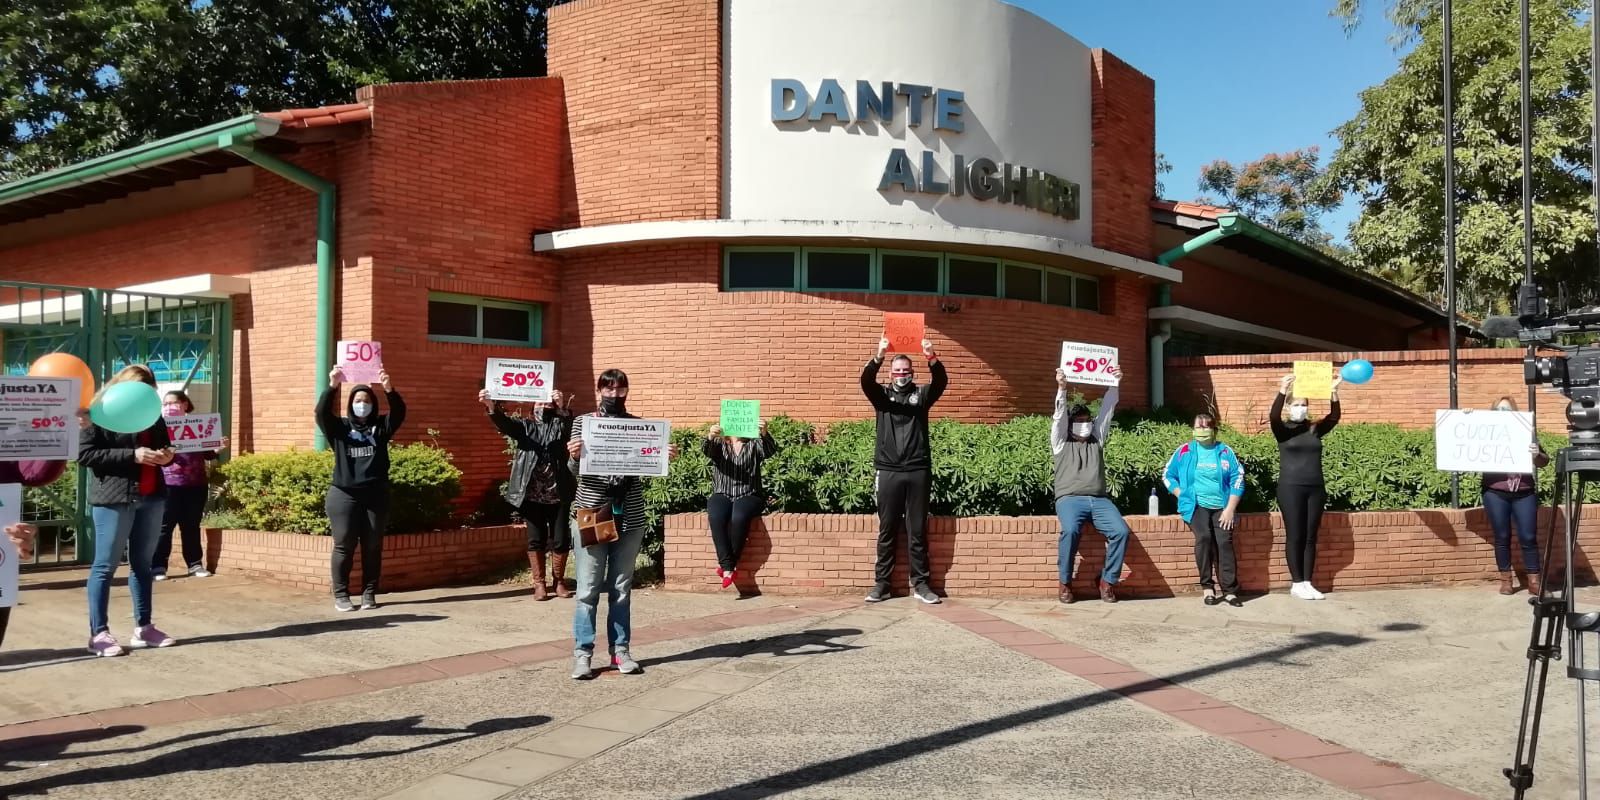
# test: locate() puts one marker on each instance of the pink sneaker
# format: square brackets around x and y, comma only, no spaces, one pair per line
[151,636]
[105,645]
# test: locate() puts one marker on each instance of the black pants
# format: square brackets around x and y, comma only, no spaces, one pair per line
[1213,549]
[358,518]
[548,531]
[903,495]
[730,526]
[1302,516]
[185,506]
[5,619]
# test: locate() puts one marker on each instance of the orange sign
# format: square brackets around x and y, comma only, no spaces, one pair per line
[904,332]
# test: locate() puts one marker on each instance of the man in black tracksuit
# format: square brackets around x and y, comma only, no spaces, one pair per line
[904,465]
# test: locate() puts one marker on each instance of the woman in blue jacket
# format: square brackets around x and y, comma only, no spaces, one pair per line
[1208,481]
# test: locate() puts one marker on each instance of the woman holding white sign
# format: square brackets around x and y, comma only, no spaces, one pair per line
[20,536]
[358,500]
[737,496]
[539,484]
[1514,498]
[1302,494]
[188,486]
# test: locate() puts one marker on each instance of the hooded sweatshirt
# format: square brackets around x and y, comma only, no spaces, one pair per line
[360,446]
[902,418]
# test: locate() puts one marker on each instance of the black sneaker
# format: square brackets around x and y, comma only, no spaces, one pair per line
[879,594]
[342,604]
[926,595]
[368,602]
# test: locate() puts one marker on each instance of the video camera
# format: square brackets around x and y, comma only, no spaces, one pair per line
[1575,373]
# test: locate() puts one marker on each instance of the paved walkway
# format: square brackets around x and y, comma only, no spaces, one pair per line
[1409,694]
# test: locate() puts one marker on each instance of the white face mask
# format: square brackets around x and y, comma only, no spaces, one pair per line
[362,410]
[1298,413]
[1502,408]
[1082,430]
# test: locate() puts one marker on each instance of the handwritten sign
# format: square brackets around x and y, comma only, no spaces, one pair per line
[904,332]
[10,559]
[360,361]
[1313,380]
[195,433]
[1088,363]
[620,446]
[741,418]
[1483,441]
[38,418]
[520,381]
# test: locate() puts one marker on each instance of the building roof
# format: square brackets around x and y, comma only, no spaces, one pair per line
[187,155]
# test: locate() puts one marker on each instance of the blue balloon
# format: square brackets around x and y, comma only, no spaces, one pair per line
[1357,372]
[128,407]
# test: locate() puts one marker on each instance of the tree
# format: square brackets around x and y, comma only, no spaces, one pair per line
[79,78]
[1163,166]
[1392,153]
[1284,191]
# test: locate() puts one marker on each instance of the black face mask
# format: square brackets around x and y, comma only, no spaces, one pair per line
[614,406]
[547,413]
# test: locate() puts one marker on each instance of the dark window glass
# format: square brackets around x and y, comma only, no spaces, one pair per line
[761,270]
[1023,283]
[508,324]
[839,271]
[1058,289]
[446,318]
[1088,294]
[980,278]
[910,273]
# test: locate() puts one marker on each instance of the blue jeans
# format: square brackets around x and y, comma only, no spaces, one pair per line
[134,528]
[1524,510]
[608,565]
[1072,511]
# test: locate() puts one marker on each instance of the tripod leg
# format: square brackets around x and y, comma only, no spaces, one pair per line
[1576,657]
[1544,641]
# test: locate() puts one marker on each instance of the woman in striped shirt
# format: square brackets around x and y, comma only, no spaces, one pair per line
[736,495]
[607,564]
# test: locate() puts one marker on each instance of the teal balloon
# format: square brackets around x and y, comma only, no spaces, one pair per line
[1357,372]
[128,407]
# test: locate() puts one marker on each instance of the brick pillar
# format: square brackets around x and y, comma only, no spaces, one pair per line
[1123,103]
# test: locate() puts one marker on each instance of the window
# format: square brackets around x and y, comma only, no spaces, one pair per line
[971,276]
[770,268]
[1024,282]
[839,270]
[482,320]
[1087,294]
[910,272]
[1058,289]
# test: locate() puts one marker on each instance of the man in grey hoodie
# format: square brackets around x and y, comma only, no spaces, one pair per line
[1077,445]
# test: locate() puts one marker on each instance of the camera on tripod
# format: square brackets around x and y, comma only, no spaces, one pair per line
[1575,372]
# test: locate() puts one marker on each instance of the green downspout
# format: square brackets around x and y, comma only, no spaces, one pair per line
[327,208]
[1227,225]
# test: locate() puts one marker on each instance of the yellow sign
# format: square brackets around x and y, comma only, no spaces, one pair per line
[1313,380]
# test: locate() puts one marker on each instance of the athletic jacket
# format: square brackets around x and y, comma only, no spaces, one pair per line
[1179,475]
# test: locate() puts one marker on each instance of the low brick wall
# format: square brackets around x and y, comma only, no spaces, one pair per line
[410,560]
[1016,556]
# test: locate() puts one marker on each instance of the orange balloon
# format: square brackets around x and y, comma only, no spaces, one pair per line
[66,365]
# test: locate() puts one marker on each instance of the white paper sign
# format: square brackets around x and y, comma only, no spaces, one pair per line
[620,446]
[1088,363]
[10,559]
[360,361]
[195,433]
[1475,440]
[38,418]
[520,381]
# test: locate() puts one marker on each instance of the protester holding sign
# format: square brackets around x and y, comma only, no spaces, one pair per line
[127,498]
[1514,498]
[1301,491]
[737,496]
[1208,481]
[903,462]
[188,485]
[20,535]
[1077,446]
[610,523]
[358,500]
[541,488]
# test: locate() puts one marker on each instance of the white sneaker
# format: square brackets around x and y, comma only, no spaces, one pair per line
[199,572]
[1301,590]
[1315,595]
[161,576]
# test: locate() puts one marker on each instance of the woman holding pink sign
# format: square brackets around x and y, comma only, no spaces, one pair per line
[358,500]
[187,489]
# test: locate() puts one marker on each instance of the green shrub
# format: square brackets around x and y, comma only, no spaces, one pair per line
[286,491]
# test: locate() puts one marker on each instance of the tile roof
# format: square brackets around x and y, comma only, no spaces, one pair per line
[322,116]
[1199,210]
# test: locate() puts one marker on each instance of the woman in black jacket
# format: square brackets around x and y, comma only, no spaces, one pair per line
[541,487]
[1301,491]
[358,500]
[127,498]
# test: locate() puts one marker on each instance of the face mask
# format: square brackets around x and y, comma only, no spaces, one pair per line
[903,381]
[614,406]
[1298,413]
[547,413]
[361,410]
[172,410]
[1502,408]
[1082,430]
[1205,435]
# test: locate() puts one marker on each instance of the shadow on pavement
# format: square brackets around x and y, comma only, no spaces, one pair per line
[298,747]
[499,594]
[53,747]
[804,643]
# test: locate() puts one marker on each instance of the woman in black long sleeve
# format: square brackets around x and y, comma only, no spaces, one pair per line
[736,493]
[1301,492]
[538,484]
[358,500]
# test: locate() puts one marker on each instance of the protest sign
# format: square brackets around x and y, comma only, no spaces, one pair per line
[195,433]
[1088,363]
[520,381]
[905,332]
[622,446]
[360,361]
[1467,440]
[1313,380]
[741,418]
[38,418]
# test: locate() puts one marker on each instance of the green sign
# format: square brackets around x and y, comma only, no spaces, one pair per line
[741,418]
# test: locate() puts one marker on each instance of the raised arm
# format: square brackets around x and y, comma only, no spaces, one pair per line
[507,426]
[1280,431]
[1059,421]
[869,384]
[1108,408]
[1328,423]
[766,446]
[941,381]
[328,419]
[397,411]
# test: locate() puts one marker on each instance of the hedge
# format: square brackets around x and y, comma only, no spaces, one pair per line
[285,491]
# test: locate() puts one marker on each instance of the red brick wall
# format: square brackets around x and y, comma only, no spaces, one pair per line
[1406,388]
[656,312]
[1016,556]
[644,107]
[1123,108]
[410,561]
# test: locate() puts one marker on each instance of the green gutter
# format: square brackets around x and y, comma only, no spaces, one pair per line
[327,208]
[184,145]
[1227,225]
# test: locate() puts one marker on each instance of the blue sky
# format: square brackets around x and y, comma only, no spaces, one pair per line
[1239,78]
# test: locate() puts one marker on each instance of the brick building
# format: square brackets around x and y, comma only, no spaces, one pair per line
[722,198]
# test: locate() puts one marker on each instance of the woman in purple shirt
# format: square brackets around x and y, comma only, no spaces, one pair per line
[1509,498]
[188,487]
[27,473]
